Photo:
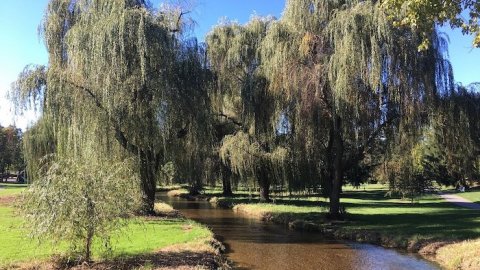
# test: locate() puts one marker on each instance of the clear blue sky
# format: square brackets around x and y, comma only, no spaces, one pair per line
[20,44]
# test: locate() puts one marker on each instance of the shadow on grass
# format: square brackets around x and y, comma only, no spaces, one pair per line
[445,224]
[13,185]
[170,260]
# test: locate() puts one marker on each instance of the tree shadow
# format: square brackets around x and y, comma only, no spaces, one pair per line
[445,224]
[174,260]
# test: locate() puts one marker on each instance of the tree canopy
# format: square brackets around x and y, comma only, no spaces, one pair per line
[328,94]
[422,15]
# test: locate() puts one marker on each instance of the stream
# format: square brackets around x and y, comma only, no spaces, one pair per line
[253,244]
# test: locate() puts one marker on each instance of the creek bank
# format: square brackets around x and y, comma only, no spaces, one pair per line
[433,249]
[440,251]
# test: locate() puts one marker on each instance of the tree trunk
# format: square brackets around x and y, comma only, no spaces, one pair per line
[88,245]
[337,169]
[148,169]
[264,182]
[90,229]
[226,181]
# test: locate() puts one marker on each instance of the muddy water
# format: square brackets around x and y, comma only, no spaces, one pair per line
[252,244]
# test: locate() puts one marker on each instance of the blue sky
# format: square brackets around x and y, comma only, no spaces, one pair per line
[20,44]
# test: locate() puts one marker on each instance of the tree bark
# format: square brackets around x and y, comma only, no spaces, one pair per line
[337,168]
[90,230]
[226,181]
[264,182]
[148,169]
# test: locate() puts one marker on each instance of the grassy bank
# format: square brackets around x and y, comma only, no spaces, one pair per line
[166,241]
[425,226]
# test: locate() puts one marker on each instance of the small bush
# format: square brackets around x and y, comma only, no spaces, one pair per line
[76,201]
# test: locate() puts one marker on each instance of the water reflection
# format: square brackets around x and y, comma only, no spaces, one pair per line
[253,244]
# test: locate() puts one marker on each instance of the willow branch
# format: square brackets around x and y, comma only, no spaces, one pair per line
[119,135]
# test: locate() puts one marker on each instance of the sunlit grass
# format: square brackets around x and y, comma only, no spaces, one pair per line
[141,236]
[11,189]
[473,196]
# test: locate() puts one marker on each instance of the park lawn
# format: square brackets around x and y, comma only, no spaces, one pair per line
[428,218]
[142,236]
[472,195]
[11,189]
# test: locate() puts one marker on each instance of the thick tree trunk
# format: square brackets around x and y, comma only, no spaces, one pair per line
[264,182]
[148,169]
[336,174]
[196,184]
[226,181]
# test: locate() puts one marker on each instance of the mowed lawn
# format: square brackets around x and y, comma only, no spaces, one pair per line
[430,217]
[472,195]
[141,236]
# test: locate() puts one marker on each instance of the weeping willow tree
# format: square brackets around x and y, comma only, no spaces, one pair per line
[350,83]
[119,81]
[245,110]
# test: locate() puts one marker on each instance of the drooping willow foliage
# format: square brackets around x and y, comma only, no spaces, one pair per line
[77,202]
[449,150]
[122,81]
[241,99]
[348,85]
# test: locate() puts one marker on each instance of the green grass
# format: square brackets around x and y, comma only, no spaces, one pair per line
[11,189]
[473,195]
[141,237]
[430,217]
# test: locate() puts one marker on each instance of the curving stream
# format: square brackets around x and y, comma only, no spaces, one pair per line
[253,244]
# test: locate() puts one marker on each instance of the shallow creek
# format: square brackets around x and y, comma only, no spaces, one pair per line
[253,244]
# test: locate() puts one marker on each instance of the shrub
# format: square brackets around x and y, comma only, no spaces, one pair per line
[77,200]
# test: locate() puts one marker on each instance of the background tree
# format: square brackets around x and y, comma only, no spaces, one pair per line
[350,83]
[241,99]
[423,15]
[456,138]
[11,154]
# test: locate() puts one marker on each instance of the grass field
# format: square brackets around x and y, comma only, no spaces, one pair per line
[142,236]
[430,217]
[472,195]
